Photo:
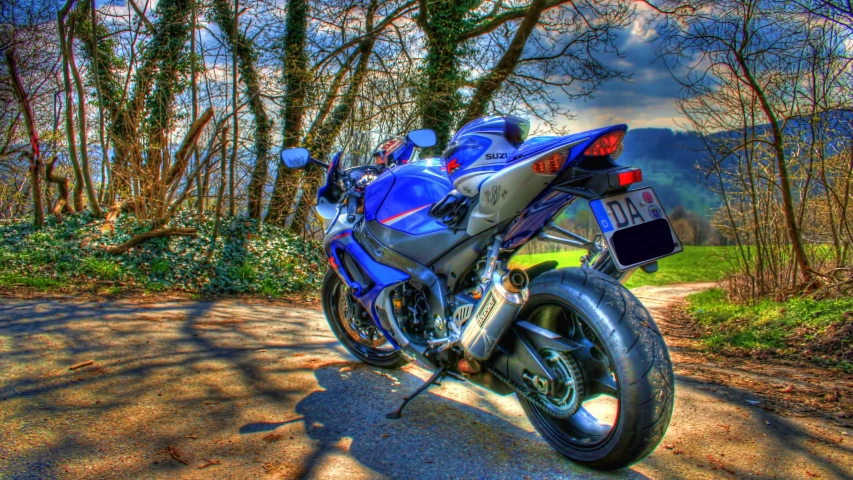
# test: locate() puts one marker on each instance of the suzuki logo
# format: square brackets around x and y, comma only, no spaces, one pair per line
[452,166]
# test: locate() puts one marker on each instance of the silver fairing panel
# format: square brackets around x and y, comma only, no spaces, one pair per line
[506,193]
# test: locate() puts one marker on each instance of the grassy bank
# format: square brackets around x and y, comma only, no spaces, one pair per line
[817,330]
[246,258]
[694,264]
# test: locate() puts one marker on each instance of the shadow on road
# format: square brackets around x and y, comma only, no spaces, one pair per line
[249,390]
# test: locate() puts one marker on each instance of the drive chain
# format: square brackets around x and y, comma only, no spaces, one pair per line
[536,398]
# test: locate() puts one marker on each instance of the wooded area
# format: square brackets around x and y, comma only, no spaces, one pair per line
[127,89]
[157,108]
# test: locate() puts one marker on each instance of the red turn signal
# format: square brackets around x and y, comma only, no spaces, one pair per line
[551,164]
[622,178]
[605,145]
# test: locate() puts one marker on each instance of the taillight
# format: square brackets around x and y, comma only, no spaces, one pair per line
[551,164]
[605,145]
[626,177]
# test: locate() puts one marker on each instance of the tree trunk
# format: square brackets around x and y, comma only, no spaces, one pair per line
[61,185]
[242,47]
[439,97]
[782,167]
[154,85]
[156,233]
[490,83]
[91,196]
[232,201]
[69,107]
[102,136]
[296,79]
[320,142]
[35,155]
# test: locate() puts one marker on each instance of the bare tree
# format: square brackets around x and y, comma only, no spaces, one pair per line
[34,154]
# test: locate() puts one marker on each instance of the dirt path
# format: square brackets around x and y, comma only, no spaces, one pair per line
[240,390]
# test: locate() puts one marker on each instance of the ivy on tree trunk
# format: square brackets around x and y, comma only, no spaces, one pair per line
[223,15]
[296,79]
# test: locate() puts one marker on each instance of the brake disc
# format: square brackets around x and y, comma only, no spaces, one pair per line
[358,329]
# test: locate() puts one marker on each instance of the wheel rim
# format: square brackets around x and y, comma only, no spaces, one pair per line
[363,336]
[597,412]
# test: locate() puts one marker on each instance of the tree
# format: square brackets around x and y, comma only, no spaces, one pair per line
[243,49]
[34,154]
[740,53]
[296,78]
[564,57]
[763,83]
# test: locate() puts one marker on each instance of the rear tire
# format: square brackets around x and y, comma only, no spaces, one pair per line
[383,356]
[638,359]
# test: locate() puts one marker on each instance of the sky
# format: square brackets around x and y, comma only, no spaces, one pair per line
[647,100]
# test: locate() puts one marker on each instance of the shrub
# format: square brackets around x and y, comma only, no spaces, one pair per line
[245,259]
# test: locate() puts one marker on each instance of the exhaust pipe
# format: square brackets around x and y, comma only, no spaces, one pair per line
[494,313]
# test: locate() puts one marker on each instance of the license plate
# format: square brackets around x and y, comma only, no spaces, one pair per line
[635,227]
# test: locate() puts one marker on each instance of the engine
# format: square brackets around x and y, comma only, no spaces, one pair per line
[412,312]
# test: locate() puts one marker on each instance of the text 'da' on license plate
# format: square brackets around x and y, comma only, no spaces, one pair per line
[635,227]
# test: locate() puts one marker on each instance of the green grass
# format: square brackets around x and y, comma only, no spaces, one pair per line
[10,280]
[819,330]
[694,264]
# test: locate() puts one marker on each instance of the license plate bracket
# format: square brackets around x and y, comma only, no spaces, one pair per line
[635,227]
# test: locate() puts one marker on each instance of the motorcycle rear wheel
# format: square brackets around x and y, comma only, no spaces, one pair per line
[364,347]
[589,306]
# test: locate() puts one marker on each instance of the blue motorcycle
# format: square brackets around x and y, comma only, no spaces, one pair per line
[420,251]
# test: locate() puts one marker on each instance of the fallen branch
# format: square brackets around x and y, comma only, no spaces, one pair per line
[174,455]
[209,463]
[81,365]
[156,233]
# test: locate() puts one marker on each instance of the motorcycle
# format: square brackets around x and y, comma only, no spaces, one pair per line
[420,271]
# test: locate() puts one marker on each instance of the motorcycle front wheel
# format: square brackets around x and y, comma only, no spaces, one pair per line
[627,385]
[354,327]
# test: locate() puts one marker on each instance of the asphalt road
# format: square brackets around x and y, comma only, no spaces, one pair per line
[228,389]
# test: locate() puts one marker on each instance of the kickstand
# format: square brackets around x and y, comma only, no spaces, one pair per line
[433,379]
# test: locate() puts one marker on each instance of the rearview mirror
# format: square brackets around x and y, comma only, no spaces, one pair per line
[422,138]
[295,157]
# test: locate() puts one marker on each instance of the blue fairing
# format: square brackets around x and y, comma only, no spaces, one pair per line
[401,198]
[379,276]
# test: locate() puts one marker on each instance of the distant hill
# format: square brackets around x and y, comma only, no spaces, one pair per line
[669,162]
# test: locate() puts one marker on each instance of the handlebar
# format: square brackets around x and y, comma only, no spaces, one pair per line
[352,207]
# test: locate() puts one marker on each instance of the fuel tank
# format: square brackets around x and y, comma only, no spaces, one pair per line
[396,211]
[401,197]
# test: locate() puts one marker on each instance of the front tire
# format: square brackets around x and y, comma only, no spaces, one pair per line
[354,328]
[591,306]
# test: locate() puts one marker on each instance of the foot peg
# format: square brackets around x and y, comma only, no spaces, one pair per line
[434,379]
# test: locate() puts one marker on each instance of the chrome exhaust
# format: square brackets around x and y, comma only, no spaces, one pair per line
[494,313]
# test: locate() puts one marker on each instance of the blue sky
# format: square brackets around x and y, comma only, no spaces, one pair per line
[647,100]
